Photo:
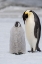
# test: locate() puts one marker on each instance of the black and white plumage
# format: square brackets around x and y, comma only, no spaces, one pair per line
[17,39]
[33,29]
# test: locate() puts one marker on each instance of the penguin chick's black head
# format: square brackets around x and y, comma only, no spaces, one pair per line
[17,24]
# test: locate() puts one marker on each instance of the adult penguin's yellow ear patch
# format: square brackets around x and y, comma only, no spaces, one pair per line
[29,13]
[26,12]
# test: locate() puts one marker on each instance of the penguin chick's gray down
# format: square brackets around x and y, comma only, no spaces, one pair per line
[33,29]
[17,39]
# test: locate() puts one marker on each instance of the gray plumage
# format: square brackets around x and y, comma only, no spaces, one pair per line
[17,40]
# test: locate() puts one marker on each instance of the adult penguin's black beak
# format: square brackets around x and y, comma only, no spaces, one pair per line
[24,16]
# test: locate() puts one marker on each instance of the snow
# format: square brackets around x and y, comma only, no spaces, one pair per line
[15,11]
[5,56]
[34,3]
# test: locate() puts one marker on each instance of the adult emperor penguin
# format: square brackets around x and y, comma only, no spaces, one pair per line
[33,29]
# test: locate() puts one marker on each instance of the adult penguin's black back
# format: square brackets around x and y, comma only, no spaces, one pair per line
[37,29]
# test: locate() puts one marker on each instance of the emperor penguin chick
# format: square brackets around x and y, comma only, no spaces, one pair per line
[17,39]
[33,29]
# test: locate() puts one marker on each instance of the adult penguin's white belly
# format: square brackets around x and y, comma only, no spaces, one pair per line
[29,26]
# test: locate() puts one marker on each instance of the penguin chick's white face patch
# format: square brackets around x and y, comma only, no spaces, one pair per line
[19,25]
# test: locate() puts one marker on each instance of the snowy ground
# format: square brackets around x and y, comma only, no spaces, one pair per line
[8,58]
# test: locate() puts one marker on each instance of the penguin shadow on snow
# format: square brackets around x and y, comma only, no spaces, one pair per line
[34,51]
